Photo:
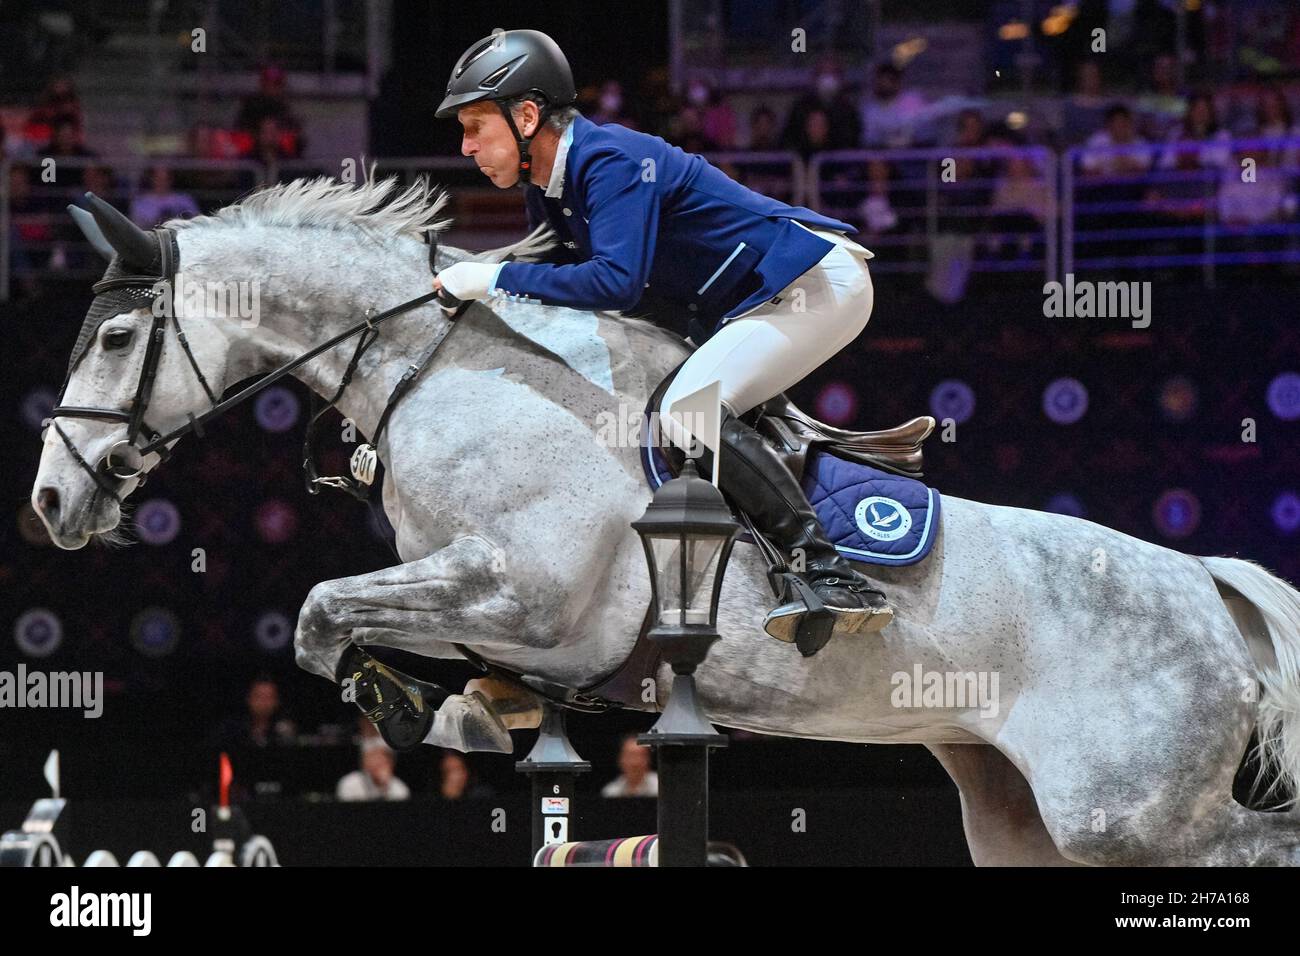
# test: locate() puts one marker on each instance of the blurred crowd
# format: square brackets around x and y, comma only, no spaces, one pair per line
[264,129]
[1153,152]
[258,737]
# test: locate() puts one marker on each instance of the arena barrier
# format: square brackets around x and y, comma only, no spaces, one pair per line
[41,839]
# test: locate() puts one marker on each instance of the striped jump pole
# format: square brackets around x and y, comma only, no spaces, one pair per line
[626,851]
[629,851]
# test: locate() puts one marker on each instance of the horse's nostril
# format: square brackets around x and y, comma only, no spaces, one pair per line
[47,501]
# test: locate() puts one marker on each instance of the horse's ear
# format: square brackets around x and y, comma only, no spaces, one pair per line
[128,240]
[90,229]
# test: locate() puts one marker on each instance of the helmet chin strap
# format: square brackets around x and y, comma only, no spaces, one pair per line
[525,159]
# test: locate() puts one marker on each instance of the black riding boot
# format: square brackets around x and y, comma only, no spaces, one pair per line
[756,478]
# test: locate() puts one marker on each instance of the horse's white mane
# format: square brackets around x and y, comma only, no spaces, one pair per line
[369,207]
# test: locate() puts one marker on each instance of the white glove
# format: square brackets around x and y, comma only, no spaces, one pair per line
[469,280]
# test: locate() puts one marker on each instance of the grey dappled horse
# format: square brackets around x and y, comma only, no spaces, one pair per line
[1128,673]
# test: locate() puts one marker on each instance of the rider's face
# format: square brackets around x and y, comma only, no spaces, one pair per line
[488,140]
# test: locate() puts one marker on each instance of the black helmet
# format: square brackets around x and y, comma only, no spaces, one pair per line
[506,65]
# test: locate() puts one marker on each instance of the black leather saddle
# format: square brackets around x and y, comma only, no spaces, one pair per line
[793,432]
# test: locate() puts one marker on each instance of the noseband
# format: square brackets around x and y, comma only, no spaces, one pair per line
[126,458]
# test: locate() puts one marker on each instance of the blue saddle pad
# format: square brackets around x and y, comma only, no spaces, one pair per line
[871,515]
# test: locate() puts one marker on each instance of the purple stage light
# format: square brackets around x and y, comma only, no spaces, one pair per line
[158,521]
[1286,512]
[276,521]
[276,409]
[1066,503]
[1177,513]
[952,398]
[1284,396]
[837,404]
[1065,400]
[273,631]
[38,632]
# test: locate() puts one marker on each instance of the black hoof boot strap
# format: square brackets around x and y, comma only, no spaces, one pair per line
[401,707]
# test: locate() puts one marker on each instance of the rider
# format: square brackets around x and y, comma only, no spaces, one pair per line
[772,290]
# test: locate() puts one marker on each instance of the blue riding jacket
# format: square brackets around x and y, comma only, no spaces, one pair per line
[647,222]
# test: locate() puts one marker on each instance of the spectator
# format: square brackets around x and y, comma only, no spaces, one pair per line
[717,119]
[610,107]
[263,725]
[971,133]
[66,143]
[1164,104]
[206,142]
[688,132]
[1273,120]
[829,98]
[457,783]
[635,779]
[963,200]
[877,213]
[160,202]
[29,228]
[815,136]
[1085,110]
[1268,197]
[1021,204]
[15,147]
[375,779]
[65,140]
[763,132]
[57,104]
[1120,131]
[269,102]
[1199,142]
[1189,164]
[890,115]
[97,180]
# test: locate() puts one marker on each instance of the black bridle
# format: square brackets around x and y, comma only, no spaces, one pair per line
[132,454]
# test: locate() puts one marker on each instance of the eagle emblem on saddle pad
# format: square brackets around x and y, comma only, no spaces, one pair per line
[881,518]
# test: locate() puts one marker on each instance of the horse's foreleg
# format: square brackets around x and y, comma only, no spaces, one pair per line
[461,591]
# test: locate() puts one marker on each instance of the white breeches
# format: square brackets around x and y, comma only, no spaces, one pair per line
[763,352]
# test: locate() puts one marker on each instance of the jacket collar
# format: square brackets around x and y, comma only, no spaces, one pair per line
[555,187]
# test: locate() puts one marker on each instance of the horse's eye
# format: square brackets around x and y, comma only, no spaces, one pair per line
[117,339]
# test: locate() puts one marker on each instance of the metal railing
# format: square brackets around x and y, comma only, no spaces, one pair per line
[1203,204]
[1027,210]
[1004,200]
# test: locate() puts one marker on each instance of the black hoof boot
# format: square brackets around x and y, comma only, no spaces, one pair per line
[401,707]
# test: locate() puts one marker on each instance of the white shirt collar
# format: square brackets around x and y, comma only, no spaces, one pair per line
[555,188]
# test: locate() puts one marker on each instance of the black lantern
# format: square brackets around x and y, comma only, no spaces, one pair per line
[688,532]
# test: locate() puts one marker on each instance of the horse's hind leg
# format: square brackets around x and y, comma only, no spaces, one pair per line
[998,810]
[459,591]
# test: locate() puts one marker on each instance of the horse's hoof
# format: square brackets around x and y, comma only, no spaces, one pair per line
[482,730]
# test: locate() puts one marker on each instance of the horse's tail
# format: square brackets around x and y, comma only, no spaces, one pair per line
[1278,721]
